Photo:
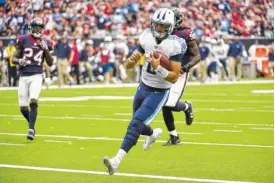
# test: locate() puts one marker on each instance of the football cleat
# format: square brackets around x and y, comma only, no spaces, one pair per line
[30,135]
[151,139]
[111,164]
[189,113]
[174,140]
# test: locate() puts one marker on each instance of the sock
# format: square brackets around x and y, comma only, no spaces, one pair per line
[168,118]
[180,107]
[25,112]
[148,131]
[173,132]
[32,115]
[120,154]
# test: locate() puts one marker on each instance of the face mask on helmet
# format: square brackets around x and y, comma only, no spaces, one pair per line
[178,17]
[36,28]
[161,30]
[162,23]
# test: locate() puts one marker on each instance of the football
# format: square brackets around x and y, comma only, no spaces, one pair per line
[164,61]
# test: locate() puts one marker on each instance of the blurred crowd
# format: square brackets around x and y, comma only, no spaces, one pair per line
[99,18]
[74,25]
[78,61]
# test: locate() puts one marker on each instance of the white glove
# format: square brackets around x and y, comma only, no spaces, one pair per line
[43,45]
[24,62]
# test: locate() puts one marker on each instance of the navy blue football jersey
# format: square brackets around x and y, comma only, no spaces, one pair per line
[33,54]
[188,35]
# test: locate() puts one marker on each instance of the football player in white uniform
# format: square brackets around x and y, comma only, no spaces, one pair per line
[153,90]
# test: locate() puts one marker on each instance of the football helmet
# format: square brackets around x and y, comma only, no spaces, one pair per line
[36,27]
[178,17]
[162,23]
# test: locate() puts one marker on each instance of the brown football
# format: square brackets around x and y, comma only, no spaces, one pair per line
[164,61]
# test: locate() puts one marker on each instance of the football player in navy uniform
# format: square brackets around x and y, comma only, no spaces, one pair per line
[190,59]
[31,51]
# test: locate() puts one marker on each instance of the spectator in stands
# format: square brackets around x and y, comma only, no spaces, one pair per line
[235,54]
[204,52]
[83,59]
[12,69]
[63,52]
[105,57]
[271,62]
[74,61]
[2,65]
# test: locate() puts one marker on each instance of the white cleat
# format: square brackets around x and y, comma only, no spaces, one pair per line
[149,141]
[111,165]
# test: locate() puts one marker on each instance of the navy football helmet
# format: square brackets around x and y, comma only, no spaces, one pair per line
[36,27]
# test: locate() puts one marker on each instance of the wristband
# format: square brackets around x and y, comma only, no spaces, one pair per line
[162,72]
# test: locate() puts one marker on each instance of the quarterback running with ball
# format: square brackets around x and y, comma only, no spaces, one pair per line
[153,90]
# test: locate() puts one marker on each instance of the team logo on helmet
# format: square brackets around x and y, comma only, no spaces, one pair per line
[36,27]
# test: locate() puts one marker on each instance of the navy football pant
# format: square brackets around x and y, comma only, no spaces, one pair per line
[148,102]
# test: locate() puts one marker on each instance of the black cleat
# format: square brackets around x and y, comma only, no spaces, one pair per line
[174,140]
[189,113]
[30,135]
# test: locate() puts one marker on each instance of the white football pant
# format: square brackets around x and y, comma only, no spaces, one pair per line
[29,88]
[177,90]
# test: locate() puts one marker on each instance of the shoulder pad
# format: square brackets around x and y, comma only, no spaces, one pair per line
[142,37]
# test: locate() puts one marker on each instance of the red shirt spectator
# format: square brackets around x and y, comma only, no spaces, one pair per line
[74,54]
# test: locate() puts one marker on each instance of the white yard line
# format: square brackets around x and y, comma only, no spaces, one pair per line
[59,141]
[189,133]
[19,119]
[127,120]
[239,109]
[10,144]
[119,139]
[122,114]
[134,85]
[262,91]
[230,131]
[270,129]
[117,174]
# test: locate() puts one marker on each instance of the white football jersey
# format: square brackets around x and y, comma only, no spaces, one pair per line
[171,46]
[220,51]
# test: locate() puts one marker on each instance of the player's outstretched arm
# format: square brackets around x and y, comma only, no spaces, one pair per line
[171,76]
[133,59]
[194,50]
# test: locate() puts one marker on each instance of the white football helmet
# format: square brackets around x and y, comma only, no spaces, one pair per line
[164,18]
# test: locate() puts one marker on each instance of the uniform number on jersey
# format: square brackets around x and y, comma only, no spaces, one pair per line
[150,69]
[28,55]
[191,35]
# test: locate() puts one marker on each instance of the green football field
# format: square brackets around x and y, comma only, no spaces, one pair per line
[230,140]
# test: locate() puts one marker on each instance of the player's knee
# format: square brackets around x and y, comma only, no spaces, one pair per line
[167,109]
[24,108]
[135,128]
[137,125]
[33,103]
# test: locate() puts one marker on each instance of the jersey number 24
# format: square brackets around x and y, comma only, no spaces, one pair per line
[29,55]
